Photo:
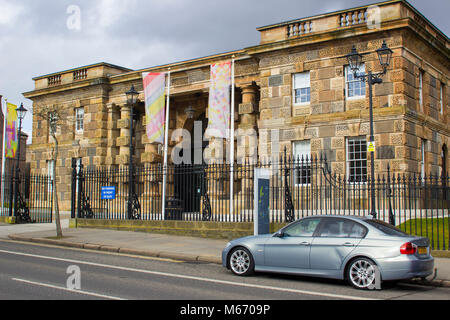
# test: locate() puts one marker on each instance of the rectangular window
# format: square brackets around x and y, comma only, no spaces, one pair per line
[355,87]
[302,162]
[79,115]
[302,88]
[441,98]
[357,159]
[421,90]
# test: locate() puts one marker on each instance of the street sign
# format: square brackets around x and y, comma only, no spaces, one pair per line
[108,193]
[261,198]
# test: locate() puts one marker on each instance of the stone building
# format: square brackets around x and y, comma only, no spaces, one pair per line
[294,82]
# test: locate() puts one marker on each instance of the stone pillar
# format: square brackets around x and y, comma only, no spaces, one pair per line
[247,138]
[123,141]
[247,127]
[113,133]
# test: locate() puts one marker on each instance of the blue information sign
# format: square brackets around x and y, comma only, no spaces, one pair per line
[108,193]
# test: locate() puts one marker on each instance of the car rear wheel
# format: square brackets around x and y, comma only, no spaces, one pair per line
[241,262]
[361,274]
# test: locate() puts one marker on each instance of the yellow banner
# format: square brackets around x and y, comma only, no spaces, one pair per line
[11,137]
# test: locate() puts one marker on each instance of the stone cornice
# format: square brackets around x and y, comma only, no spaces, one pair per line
[349,32]
[66,87]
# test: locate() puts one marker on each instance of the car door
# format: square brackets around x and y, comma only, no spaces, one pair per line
[334,241]
[292,248]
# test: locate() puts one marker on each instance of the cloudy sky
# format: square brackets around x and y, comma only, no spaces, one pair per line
[44,36]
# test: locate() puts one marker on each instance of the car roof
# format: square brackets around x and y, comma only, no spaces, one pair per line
[360,218]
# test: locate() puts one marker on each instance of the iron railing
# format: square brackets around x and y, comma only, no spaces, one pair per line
[298,188]
[35,197]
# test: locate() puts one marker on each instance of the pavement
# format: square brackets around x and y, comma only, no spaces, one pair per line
[155,245]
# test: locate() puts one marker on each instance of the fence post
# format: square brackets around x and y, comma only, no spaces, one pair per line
[289,212]
[11,192]
[73,187]
[391,213]
[80,188]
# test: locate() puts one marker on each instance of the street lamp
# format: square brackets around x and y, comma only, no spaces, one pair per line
[21,112]
[133,202]
[355,61]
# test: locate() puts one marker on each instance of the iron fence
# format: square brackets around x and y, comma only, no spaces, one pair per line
[34,197]
[298,188]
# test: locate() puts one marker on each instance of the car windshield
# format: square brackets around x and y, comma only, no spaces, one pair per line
[387,228]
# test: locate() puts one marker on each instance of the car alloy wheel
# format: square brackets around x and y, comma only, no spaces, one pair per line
[241,262]
[361,273]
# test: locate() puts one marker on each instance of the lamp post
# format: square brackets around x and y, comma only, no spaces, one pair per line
[355,60]
[21,112]
[132,97]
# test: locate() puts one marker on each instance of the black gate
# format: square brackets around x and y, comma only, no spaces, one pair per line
[189,183]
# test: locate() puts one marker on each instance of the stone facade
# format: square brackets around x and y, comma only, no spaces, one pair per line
[411,106]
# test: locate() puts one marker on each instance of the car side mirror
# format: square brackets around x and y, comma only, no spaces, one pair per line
[279,234]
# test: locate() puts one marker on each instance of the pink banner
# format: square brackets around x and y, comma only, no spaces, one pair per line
[154,87]
[219,101]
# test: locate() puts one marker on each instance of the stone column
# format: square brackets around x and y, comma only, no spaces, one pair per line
[247,127]
[113,133]
[247,140]
[123,141]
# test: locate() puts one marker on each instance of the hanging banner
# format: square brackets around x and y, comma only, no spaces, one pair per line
[219,101]
[154,90]
[11,134]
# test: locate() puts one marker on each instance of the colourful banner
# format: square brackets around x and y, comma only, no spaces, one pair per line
[11,137]
[219,101]
[154,90]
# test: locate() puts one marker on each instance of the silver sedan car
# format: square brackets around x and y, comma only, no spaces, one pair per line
[359,249]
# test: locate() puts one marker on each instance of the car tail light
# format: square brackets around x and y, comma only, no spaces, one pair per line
[408,248]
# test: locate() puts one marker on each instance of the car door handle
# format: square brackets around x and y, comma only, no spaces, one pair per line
[348,244]
[306,244]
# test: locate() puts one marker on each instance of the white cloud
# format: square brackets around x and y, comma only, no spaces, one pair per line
[9,12]
[109,12]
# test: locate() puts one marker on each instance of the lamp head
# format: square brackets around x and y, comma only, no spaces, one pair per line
[354,60]
[384,55]
[21,112]
[132,96]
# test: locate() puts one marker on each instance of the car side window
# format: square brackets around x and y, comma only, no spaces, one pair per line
[342,228]
[304,228]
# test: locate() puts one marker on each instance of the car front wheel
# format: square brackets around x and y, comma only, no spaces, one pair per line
[241,262]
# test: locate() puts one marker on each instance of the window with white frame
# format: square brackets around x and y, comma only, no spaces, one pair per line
[79,119]
[302,88]
[357,159]
[421,90]
[355,87]
[302,162]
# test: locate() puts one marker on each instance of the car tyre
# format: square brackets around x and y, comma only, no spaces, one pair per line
[361,273]
[241,262]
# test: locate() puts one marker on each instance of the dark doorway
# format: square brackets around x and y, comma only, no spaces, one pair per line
[190,180]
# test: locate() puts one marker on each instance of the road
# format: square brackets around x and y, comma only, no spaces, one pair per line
[30,272]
